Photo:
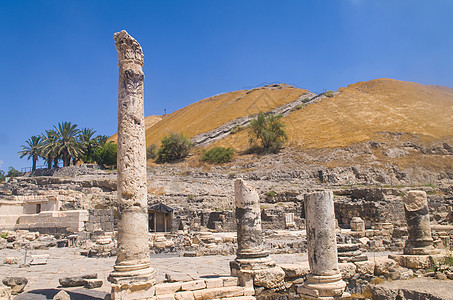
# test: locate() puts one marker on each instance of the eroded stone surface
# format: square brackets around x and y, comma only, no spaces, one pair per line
[132,270]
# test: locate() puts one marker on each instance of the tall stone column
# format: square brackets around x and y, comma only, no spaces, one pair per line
[251,257]
[133,277]
[324,279]
[419,239]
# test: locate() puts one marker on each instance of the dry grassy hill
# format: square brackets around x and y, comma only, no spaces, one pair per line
[212,112]
[149,121]
[362,111]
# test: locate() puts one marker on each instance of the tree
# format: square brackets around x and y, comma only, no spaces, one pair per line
[151,151]
[32,150]
[13,172]
[106,155]
[2,176]
[173,147]
[49,148]
[269,131]
[88,143]
[67,144]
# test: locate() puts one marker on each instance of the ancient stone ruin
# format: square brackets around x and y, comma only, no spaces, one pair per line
[133,276]
[324,279]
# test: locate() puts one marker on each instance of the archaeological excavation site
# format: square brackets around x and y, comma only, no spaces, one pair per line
[354,201]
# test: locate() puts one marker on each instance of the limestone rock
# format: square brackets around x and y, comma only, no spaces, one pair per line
[5,293]
[17,284]
[347,270]
[269,278]
[62,295]
[383,265]
[295,270]
[76,280]
[365,267]
[92,283]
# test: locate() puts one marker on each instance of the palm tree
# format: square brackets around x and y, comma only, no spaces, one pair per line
[49,148]
[32,149]
[88,143]
[67,145]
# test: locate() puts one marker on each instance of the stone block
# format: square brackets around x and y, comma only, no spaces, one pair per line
[347,270]
[365,267]
[295,270]
[269,278]
[223,292]
[62,295]
[17,284]
[72,281]
[167,288]
[214,283]
[165,297]
[92,283]
[193,285]
[383,266]
[39,259]
[230,281]
[133,291]
[186,295]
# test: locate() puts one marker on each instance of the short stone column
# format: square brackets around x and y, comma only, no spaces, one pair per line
[419,240]
[133,277]
[357,227]
[252,260]
[324,279]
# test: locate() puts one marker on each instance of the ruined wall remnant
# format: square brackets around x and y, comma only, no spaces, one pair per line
[133,277]
[416,210]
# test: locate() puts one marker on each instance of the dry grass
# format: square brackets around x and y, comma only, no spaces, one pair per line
[215,111]
[362,110]
[149,121]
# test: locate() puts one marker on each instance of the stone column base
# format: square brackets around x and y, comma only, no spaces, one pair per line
[323,287]
[133,291]
[262,272]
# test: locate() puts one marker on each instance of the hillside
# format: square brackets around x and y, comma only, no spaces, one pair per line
[149,121]
[212,112]
[364,111]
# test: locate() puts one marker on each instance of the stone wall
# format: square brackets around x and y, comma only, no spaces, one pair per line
[51,222]
[100,220]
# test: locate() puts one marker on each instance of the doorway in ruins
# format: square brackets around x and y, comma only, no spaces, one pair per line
[160,217]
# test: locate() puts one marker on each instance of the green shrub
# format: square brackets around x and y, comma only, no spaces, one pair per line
[297,107]
[329,94]
[268,131]
[271,194]
[173,147]
[13,172]
[151,151]
[236,129]
[106,155]
[4,235]
[218,155]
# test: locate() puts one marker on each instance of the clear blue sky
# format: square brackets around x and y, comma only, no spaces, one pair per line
[59,62]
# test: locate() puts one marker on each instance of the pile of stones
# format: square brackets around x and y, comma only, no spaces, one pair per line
[23,239]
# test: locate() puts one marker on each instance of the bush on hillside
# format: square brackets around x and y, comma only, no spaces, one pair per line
[173,147]
[106,155]
[151,151]
[268,131]
[218,155]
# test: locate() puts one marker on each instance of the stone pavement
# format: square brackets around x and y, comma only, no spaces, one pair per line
[43,279]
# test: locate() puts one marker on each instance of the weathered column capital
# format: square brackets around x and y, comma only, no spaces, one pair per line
[129,50]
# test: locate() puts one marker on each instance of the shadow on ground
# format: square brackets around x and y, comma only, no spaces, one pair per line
[77,294]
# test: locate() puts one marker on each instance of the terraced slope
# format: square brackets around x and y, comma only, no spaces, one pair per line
[212,112]
[363,111]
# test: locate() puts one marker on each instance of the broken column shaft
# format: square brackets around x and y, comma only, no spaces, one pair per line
[324,279]
[252,260]
[416,210]
[133,277]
